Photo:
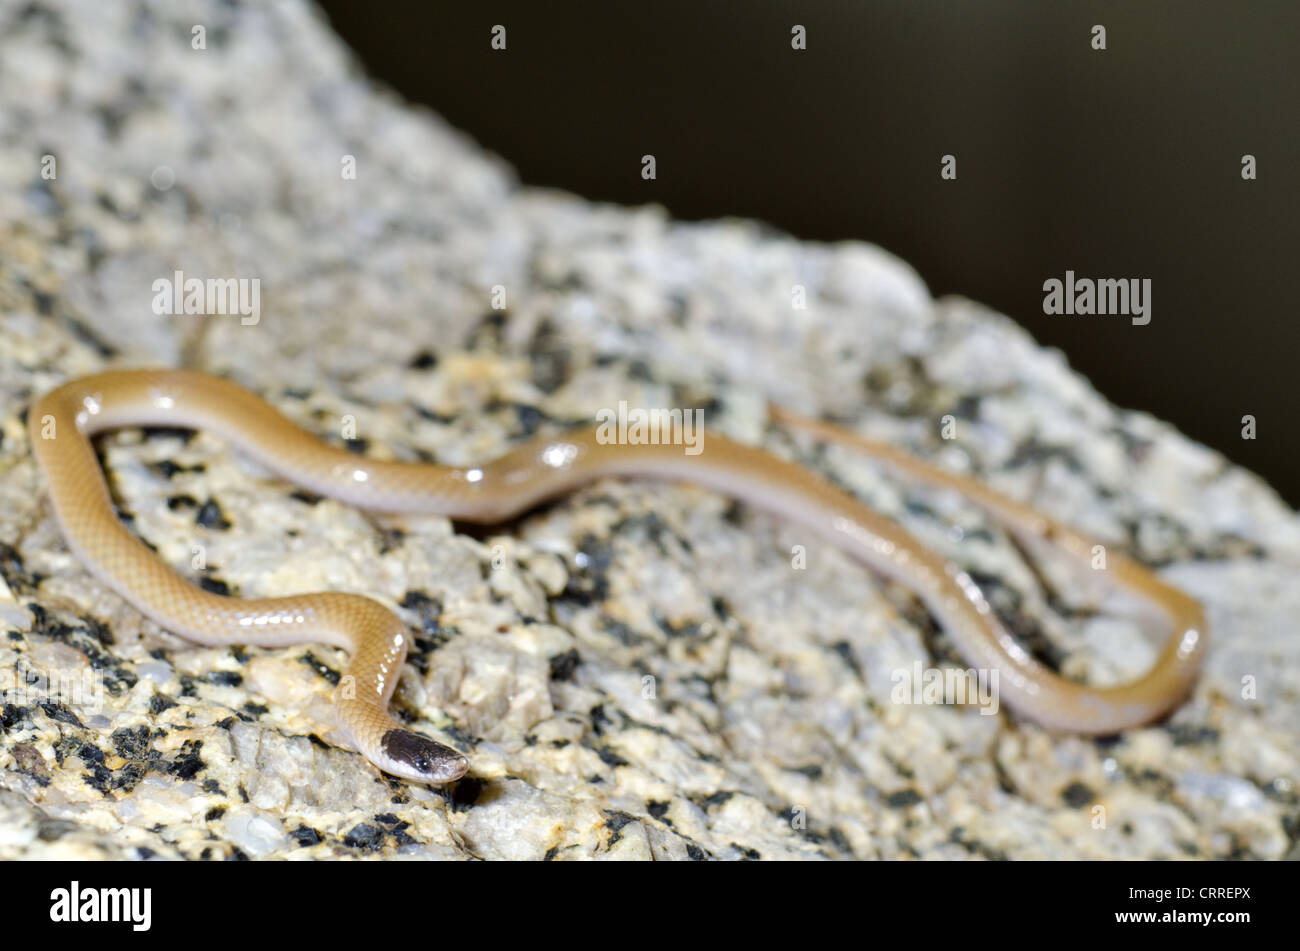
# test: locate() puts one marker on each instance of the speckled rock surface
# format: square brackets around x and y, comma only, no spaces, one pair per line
[638,671]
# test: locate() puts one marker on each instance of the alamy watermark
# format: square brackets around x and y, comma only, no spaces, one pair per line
[651,427]
[1084,296]
[82,689]
[950,685]
[233,296]
[133,906]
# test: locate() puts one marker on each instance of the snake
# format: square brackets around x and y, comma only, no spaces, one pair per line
[63,422]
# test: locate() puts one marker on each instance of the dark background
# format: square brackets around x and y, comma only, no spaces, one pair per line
[1120,163]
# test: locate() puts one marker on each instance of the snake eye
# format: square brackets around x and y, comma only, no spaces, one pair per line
[429,761]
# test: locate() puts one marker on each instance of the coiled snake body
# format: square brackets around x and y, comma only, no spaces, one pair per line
[541,469]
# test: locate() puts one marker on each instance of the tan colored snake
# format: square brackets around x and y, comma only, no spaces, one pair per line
[540,469]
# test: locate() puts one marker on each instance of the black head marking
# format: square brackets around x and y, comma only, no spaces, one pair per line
[434,762]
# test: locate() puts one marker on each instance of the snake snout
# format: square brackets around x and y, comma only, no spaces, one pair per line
[422,758]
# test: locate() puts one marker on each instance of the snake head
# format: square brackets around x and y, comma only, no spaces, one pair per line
[419,758]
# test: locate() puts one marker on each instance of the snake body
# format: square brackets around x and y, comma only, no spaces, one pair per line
[62,422]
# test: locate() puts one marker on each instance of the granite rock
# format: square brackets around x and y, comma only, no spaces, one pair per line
[637,671]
